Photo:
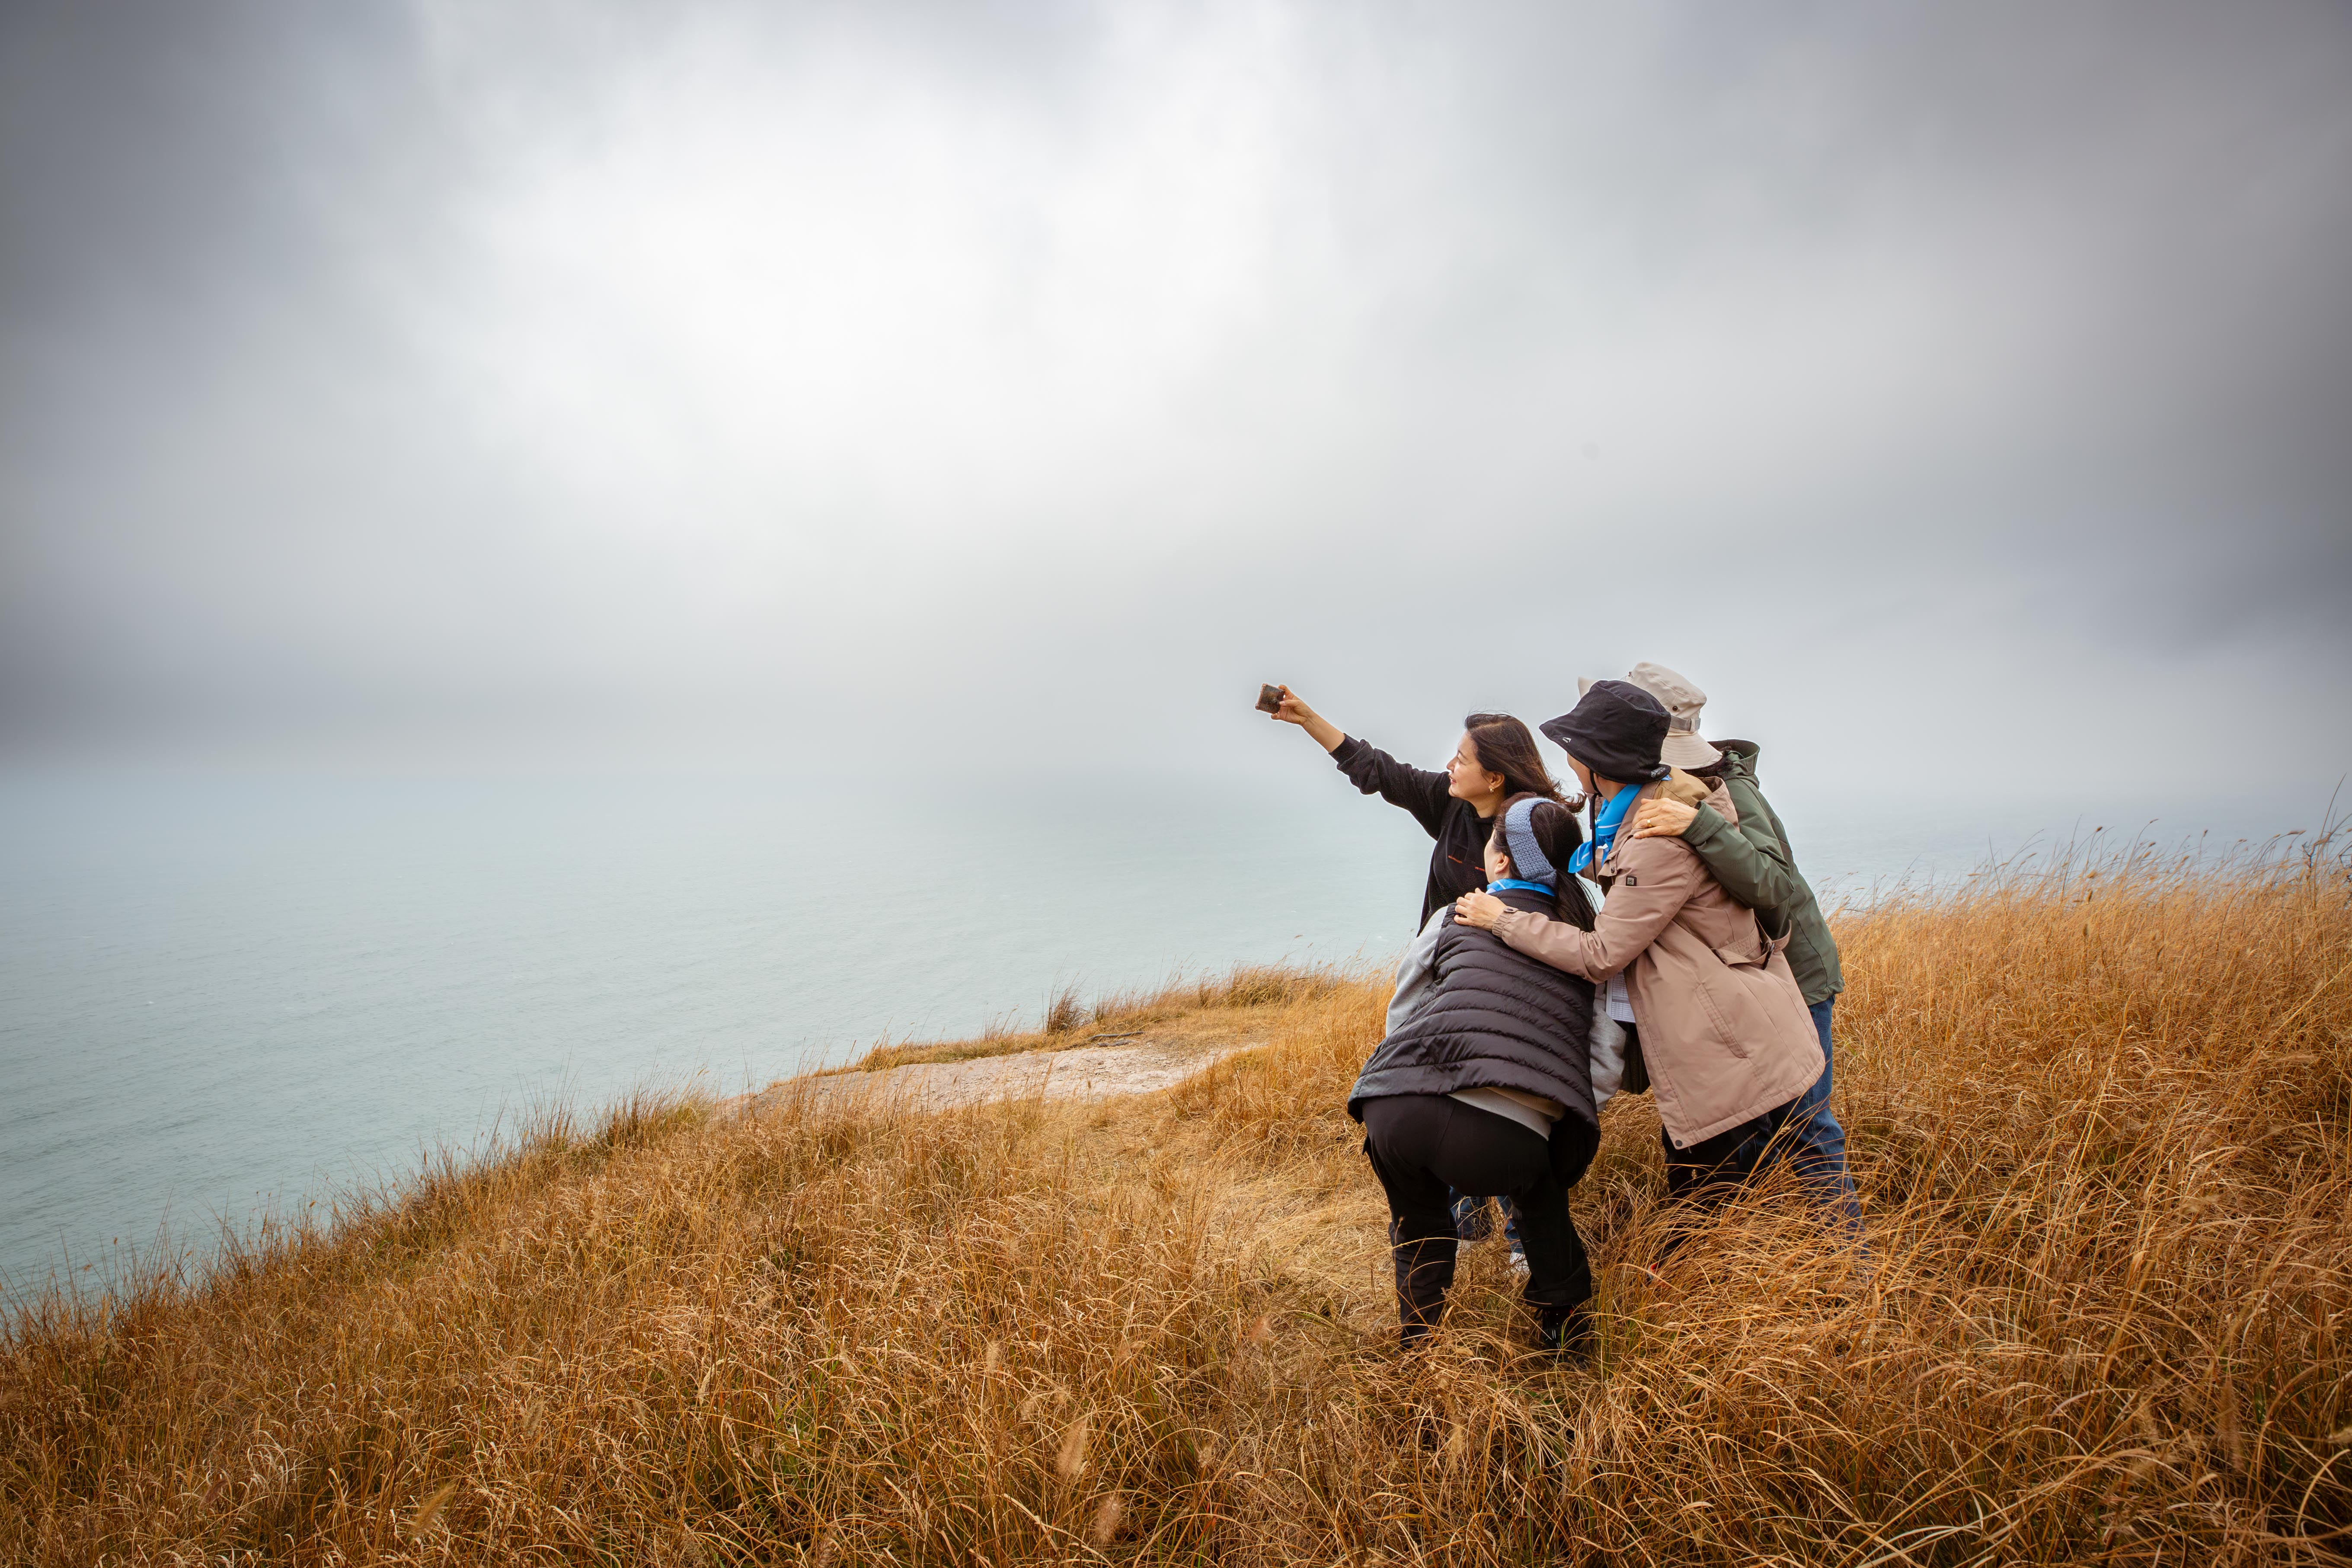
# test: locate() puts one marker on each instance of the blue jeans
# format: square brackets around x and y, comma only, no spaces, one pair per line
[1473,1221]
[1804,1133]
[1820,1154]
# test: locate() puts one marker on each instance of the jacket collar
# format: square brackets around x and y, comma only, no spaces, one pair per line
[1606,866]
[1520,899]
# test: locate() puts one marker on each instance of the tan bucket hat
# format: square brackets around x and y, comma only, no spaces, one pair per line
[1681,701]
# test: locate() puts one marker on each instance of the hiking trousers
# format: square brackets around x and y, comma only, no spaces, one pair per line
[1801,1131]
[1709,1171]
[1422,1144]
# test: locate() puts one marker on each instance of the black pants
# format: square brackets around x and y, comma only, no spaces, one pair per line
[1421,1144]
[1711,1169]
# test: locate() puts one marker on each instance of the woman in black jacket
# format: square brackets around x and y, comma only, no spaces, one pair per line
[1496,759]
[1484,1085]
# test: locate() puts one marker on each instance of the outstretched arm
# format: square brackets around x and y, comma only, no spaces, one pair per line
[1424,794]
[1294,710]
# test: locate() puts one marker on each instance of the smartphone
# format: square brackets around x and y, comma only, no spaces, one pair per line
[1269,698]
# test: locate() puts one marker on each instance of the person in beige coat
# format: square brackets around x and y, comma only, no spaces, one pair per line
[1714,1011]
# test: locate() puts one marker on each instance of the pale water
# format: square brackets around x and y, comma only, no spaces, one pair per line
[220,992]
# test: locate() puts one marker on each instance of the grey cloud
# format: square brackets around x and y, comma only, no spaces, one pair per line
[437,370]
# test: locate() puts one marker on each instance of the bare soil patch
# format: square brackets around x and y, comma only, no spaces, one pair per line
[1137,1064]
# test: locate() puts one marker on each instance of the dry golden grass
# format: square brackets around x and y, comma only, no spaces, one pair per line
[2103,1124]
[1240,1001]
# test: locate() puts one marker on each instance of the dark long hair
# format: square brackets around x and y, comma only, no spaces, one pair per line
[1506,746]
[1558,834]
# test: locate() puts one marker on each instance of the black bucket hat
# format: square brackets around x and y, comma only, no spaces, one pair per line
[1617,730]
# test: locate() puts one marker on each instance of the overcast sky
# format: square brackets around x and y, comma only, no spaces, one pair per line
[920,388]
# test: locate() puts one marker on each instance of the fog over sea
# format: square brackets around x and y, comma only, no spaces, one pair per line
[224,991]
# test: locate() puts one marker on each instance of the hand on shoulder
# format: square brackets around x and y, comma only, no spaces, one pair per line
[1483,911]
[1664,817]
[1669,813]
[1684,789]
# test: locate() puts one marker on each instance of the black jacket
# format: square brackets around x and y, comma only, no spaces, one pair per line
[1457,866]
[1494,1018]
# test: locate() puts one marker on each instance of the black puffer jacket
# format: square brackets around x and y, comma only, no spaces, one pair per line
[1494,1018]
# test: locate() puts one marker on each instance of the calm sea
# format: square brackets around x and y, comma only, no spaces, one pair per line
[223,992]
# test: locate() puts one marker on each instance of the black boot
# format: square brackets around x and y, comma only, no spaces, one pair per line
[1566,1330]
[1424,1270]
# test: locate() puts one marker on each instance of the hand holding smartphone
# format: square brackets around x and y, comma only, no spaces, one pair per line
[1286,707]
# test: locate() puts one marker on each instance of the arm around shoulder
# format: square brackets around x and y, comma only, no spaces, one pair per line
[1654,880]
[1745,856]
[1555,943]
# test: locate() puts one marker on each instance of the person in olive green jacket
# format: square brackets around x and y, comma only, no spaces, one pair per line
[1752,860]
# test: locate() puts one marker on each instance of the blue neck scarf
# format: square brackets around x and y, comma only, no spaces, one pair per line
[1605,830]
[1500,883]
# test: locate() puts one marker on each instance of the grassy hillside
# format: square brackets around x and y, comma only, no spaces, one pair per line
[2102,1123]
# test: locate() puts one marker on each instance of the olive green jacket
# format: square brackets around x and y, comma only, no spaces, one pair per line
[1752,861]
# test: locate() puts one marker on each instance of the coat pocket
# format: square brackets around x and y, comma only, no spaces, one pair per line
[1717,998]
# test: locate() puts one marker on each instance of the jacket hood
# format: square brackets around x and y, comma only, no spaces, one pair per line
[1739,758]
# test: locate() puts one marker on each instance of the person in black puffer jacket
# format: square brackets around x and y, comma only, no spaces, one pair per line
[1483,1084]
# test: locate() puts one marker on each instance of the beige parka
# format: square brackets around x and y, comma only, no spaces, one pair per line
[1724,1032]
